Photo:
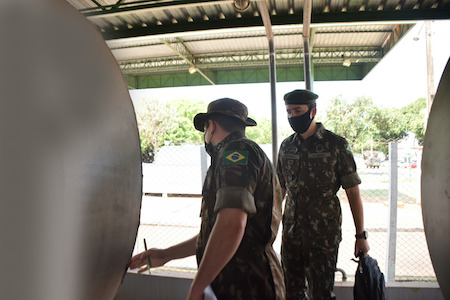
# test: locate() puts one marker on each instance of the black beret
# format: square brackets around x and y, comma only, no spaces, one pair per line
[300,97]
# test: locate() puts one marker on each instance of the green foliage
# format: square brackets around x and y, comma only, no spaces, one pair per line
[172,122]
[361,122]
[415,115]
[147,151]
[364,124]
[153,121]
[262,133]
[183,130]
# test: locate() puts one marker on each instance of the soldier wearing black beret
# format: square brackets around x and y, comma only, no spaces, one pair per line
[313,163]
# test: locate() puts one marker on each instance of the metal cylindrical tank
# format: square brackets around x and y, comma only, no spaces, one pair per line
[436,183]
[70,169]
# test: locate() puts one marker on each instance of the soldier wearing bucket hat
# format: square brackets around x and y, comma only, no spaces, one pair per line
[241,213]
[313,163]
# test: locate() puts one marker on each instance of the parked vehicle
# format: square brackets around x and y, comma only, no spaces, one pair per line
[373,162]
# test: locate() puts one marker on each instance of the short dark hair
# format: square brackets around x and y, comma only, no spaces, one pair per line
[227,123]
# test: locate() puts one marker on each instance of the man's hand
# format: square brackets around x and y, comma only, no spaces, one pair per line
[195,295]
[157,257]
[361,245]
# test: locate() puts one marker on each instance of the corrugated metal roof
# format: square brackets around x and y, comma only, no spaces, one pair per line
[162,37]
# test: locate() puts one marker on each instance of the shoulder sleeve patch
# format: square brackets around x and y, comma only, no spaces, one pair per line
[348,149]
[235,157]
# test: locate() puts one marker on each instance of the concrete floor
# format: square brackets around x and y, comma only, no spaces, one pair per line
[167,287]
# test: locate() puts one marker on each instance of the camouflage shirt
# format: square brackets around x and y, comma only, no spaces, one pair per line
[241,176]
[312,171]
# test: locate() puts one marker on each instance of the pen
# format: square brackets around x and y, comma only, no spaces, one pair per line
[148,259]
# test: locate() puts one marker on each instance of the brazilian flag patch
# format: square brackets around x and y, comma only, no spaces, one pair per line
[348,149]
[235,157]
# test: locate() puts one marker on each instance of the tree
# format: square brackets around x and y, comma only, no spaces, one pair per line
[153,122]
[415,115]
[363,124]
[183,130]
[262,133]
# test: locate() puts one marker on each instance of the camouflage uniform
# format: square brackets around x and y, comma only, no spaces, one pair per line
[312,172]
[241,176]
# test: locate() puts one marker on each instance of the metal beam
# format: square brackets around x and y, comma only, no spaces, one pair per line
[98,5]
[125,32]
[142,6]
[150,41]
[185,58]
[294,19]
[285,73]
[118,3]
[307,8]
[273,77]
[394,36]
[250,59]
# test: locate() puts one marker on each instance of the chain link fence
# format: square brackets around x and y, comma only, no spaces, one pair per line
[172,199]
[397,231]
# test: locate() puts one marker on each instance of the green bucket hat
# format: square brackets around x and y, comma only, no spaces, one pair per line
[224,106]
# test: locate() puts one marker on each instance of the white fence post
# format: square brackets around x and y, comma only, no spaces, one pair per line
[392,222]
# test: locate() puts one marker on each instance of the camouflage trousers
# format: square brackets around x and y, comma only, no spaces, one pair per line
[308,271]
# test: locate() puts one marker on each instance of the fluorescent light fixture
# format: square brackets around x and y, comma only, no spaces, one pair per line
[347,63]
[192,69]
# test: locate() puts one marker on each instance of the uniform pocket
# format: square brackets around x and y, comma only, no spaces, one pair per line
[290,163]
[320,173]
[325,220]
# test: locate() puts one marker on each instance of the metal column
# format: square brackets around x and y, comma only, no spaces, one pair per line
[307,8]
[392,223]
[272,67]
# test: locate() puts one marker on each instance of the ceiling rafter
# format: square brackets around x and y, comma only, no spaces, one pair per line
[143,6]
[251,59]
[297,34]
[98,5]
[181,49]
[216,39]
[331,18]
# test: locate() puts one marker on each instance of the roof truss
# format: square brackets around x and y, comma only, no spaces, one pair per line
[164,40]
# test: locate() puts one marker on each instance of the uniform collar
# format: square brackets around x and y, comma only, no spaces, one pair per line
[320,129]
[232,136]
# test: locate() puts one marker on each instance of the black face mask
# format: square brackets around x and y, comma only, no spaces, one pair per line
[208,146]
[301,123]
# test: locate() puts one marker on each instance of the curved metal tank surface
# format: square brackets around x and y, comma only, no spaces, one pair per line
[436,183]
[70,169]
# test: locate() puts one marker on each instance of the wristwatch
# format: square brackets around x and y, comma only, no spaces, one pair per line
[362,235]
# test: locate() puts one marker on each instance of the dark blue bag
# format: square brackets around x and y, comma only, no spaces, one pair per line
[369,280]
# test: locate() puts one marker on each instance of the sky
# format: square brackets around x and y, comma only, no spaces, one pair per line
[397,80]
